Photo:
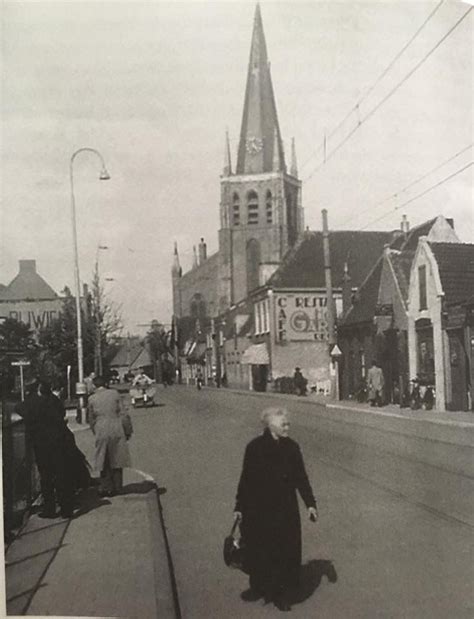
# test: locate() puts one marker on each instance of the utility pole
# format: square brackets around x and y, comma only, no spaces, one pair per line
[331,314]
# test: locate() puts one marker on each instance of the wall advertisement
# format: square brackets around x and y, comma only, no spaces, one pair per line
[301,317]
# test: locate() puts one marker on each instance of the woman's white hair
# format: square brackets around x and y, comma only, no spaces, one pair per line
[269,414]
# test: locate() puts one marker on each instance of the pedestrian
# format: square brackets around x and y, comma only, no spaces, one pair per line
[112,428]
[267,506]
[375,383]
[299,382]
[44,416]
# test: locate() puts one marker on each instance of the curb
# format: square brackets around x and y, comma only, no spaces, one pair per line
[158,532]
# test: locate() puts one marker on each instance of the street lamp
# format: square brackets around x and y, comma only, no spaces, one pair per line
[104,176]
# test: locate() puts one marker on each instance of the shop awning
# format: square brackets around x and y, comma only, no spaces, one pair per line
[257,354]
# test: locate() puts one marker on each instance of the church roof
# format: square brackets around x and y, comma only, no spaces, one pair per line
[28,284]
[303,266]
[260,146]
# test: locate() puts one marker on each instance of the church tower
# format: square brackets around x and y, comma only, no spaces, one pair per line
[260,211]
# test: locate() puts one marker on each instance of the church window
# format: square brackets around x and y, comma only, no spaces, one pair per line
[236,210]
[269,207]
[252,208]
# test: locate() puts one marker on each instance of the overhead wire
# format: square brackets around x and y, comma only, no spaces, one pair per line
[412,183]
[397,208]
[378,80]
[390,93]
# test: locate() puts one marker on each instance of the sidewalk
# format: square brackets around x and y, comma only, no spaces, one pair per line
[110,560]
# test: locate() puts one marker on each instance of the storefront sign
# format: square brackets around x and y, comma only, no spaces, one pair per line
[302,317]
[36,314]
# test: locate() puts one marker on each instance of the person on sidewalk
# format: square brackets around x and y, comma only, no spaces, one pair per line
[375,384]
[267,506]
[112,428]
[44,416]
[299,382]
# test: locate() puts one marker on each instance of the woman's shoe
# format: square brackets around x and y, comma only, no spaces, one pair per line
[251,595]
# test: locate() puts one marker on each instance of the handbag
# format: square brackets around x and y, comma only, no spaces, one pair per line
[235,554]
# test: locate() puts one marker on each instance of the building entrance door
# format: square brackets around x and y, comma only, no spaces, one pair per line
[259,377]
[458,366]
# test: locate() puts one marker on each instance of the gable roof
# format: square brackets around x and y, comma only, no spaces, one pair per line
[28,284]
[365,299]
[456,269]
[303,266]
[401,263]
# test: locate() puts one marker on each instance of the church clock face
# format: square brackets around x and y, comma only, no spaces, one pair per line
[253,145]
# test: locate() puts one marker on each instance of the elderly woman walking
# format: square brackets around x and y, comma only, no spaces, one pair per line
[273,470]
[112,429]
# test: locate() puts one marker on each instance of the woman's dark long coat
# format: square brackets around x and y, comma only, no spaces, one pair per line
[273,471]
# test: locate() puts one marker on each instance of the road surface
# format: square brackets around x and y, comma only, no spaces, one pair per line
[395,534]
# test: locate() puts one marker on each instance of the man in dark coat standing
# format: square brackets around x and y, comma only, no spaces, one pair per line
[267,505]
[45,424]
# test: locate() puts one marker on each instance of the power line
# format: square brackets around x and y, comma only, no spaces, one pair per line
[418,196]
[412,183]
[391,93]
[379,79]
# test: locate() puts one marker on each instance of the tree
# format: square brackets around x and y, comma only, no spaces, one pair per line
[106,319]
[58,341]
[157,342]
[16,340]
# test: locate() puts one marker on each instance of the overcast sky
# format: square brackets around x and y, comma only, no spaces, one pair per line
[153,87]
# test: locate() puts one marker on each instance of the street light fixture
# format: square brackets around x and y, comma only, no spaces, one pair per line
[104,175]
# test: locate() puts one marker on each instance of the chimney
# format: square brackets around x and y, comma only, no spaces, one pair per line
[405,225]
[202,251]
[346,289]
[27,266]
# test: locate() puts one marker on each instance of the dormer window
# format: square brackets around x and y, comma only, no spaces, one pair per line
[252,208]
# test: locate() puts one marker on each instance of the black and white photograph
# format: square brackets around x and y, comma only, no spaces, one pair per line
[237,309]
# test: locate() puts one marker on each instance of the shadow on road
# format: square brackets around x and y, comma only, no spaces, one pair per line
[311,576]
[142,487]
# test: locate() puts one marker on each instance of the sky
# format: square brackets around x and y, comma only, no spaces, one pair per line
[154,86]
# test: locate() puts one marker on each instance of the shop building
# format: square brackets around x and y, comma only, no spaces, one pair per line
[375,327]
[440,321]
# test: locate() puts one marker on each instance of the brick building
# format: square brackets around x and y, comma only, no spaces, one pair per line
[28,298]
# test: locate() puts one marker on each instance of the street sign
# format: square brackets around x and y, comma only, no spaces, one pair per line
[336,351]
[20,363]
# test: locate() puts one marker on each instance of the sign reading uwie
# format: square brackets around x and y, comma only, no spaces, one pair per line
[36,314]
[302,317]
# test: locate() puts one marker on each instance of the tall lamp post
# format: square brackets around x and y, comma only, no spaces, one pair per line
[104,176]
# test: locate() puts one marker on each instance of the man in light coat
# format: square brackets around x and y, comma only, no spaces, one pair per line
[112,428]
[375,384]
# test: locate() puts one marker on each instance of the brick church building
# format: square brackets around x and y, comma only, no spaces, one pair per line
[261,215]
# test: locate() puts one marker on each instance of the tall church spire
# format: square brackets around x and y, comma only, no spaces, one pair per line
[176,268]
[294,164]
[259,121]
[227,171]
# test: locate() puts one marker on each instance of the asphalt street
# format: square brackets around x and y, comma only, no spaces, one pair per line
[395,535]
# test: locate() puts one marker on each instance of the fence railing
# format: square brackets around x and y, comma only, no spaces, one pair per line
[20,476]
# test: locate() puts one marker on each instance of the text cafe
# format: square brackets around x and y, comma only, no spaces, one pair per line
[301,317]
